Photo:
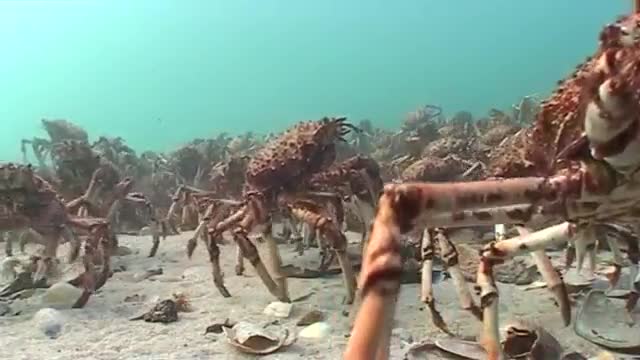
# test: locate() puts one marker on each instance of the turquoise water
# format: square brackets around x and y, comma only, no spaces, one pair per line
[159,73]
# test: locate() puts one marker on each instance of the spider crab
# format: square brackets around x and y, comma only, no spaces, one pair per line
[276,179]
[58,131]
[26,200]
[586,144]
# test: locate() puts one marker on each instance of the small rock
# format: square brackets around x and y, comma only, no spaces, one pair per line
[217,327]
[49,321]
[311,317]
[61,295]
[278,309]
[145,231]
[135,298]
[317,330]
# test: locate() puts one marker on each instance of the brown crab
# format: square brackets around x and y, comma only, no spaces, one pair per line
[26,200]
[97,188]
[585,141]
[58,130]
[275,182]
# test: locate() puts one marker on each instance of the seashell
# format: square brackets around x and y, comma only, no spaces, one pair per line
[604,321]
[253,339]
[462,348]
[523,340]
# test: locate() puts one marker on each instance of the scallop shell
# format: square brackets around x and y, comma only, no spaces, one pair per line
[254,339]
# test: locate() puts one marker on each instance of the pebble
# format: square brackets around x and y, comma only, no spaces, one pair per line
[278,309]
[49,321]
[61,295]
[317,330]
[311,317]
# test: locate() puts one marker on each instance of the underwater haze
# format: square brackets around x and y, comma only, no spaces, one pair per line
[159,73]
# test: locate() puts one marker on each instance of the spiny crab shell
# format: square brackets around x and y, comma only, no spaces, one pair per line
[301,151]
[610,78]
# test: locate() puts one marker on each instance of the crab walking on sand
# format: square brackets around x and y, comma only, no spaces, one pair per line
[592,120]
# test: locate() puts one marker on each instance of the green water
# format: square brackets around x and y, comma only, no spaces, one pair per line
[161,72]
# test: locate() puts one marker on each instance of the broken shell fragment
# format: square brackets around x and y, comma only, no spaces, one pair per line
[462,348]
[524,340]
[253,339]
[604,321]
[311,317]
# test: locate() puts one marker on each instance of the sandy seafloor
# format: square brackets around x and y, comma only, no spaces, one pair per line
[102,330]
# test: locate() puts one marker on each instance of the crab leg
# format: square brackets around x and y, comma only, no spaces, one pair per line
[497,252]
[245,219]
[634,272]
[329,230]
[239,261]
[552,278]
[403,207]
[618,259]
[366,211]
[379,285]
[426,293]
[214,258]
[449,255]
[276,260]
[586,246]
[500,231]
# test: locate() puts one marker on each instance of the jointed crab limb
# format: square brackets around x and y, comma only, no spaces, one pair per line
[97,250]
[276,261]
[497,252]
[379,283]
[634,272]
[426,293]
[586,246]
[449,255]
[338,242]
[552,279]
[239,261]
[250,252]
[214,258]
